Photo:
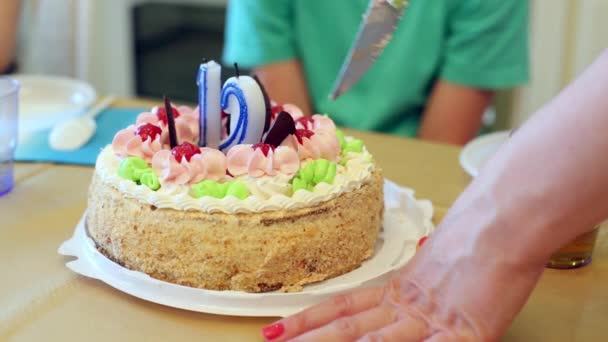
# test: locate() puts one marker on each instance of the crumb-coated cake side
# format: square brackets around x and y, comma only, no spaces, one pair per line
[253,252]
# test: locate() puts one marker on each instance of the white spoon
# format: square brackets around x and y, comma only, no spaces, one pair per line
[74,133]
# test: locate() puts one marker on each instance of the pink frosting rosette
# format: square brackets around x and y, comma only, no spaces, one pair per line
[186,123]
[316,123]
[128,143]
[262,159]
[314,145]
[208,163]
[292,109]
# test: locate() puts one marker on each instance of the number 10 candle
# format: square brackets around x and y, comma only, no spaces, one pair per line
[241,97]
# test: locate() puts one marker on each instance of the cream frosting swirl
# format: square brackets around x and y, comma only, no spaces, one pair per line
[357,171]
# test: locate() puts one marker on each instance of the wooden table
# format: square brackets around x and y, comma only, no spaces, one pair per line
[40,299]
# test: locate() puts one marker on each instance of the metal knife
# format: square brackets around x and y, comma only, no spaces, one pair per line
[374,34]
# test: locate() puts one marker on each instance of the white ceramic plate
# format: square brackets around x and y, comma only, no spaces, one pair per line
[479,150]
[47,100]
[406,221]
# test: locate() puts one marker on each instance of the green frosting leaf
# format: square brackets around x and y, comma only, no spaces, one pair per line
[315,172]
[330,174]
[321,166]
[214,189]
[133,168]
[298,184]
[308,172]
[341,139]
[238,189]
[355,145]
[208,188]
[150,179]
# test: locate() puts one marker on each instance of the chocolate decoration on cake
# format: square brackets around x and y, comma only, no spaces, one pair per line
[282,127]
[170,123]
[266,103]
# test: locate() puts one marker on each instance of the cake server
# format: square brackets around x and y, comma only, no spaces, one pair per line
[374,34]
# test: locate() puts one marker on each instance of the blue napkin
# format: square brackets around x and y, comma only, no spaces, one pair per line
[36,147]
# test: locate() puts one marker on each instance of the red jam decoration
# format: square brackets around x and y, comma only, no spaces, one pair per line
[148,131]
[265,148]
[185,150]
[275,111]
[303,133]
[421,242]
[306,121]
[162,114]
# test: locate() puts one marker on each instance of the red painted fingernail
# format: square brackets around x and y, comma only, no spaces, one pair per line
[273,331]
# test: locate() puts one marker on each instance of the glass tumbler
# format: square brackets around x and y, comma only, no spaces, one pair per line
[9,115]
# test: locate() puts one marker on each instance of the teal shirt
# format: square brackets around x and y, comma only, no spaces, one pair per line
[476,43]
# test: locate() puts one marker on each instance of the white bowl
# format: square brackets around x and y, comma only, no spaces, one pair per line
[47,100]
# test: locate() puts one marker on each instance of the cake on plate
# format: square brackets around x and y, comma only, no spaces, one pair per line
[237,194]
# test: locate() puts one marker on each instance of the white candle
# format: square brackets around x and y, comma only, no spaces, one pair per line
[243,100]
[209,81]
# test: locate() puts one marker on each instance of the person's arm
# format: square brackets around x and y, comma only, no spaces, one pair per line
[485,49]
[9,19]
[544,187]
[286,83]
[259,36]
[453,113]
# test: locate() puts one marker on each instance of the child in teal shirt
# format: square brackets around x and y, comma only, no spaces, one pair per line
[434,80]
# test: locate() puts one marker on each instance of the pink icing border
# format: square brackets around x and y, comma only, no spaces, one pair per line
[209,164]
[245,160]
[186,125]
[128,144]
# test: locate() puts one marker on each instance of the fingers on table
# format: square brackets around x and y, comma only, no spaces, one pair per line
[328,311]
[407,328]
[351,328]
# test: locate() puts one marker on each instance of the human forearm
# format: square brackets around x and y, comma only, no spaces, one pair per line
[561,178]
[544,187]
[285,83]
[9,17]
[453,113]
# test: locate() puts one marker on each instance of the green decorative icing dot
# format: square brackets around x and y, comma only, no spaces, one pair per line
[238,189]
[132,168]
[214,189]
[137,170]
[315,172]
[150,179]
[208,188]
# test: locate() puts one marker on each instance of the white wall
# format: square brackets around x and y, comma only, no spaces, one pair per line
[566,36]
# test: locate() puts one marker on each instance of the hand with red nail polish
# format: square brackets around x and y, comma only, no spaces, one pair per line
[478,268]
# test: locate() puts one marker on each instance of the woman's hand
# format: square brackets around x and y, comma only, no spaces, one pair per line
[398,311]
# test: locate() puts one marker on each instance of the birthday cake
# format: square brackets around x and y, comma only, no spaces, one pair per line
[236,194]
